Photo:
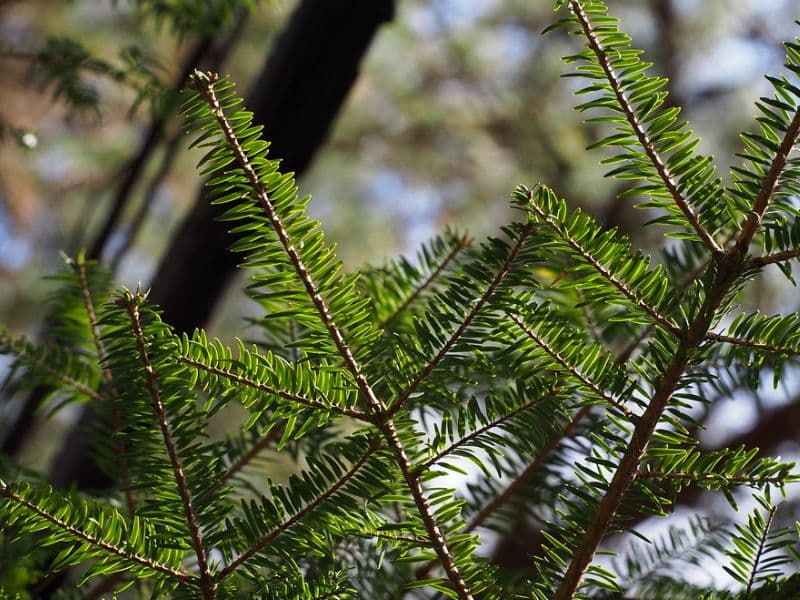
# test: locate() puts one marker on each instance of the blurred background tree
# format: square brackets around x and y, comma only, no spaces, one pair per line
[419,114]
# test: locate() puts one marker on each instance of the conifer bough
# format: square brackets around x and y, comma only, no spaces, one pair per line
[514,358]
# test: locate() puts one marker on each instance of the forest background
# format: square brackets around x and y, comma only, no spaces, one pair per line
[453,103]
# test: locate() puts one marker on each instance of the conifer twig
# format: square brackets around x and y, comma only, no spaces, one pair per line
[296,398]
[79,266]
[555,355]
[248,456]
[483,429]
[206,86]
[768,187]
[423,374]
[517,483]
[759,553]
[19,349]
[462,242]
[620,285]
[661,166]
[761,261]
[7,491]
[736,341]
[207,585]
[297,517]
[643,431]
[712,477]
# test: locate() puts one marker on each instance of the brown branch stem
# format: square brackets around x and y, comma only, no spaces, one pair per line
[762,261]
[207,584]
[79,265]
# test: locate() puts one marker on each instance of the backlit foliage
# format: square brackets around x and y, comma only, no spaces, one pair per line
[555,370]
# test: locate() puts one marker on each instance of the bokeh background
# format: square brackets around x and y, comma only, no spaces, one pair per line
[455,102]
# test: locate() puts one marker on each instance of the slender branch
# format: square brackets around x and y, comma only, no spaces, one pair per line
[647,330]
[401,400]
[462,242]
[603,270]
[517,484]
[248,456]
[529,471]
[768,187]
[769,259]
[297,398]
[298,516]
[729,339]
[646,143]
[206,85]
[643,431]
[711,477]
[183,577]
[481,430]
[588,383]
[387,428]
[79,265]
[207,584]
[78,386]
[440,546]
[761,543]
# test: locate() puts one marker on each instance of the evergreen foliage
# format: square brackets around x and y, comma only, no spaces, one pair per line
[555,370]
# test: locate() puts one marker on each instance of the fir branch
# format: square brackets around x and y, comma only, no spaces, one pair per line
[641,134]
[597,266]
[206,85]
[79,266]
[423,374]
[736,341]
[768,187]
[131,304]
[759,553]
[85,537]
[463,242]
[292,397]
[517,484]
[588,383]
[700,478]
[248,456]
[297,517]
[645,427]
[626,352]
[533,467]
[481,430]
[769,259]
[437,538]
[23,351]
